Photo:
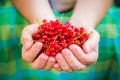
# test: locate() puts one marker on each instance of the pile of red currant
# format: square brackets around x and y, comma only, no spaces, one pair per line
[56,36]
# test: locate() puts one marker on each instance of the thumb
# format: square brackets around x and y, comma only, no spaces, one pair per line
[92,42]
[26,37]
[26,41]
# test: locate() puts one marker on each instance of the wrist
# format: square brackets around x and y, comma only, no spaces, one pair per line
[82,21]
[78,23]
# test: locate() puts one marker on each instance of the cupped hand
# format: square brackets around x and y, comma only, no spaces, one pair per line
[31,51]
[77,58]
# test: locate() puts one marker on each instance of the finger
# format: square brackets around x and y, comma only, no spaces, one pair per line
[57,67]
[31,54]
[40,62]
[63,64]
[72,60]
[26,37]
[92,41]
[86,59]
[50,63]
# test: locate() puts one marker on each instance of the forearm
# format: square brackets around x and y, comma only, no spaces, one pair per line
[89,12]
[34,10]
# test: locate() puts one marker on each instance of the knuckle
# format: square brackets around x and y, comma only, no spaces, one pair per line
[34,50]
[44,58]
[26,58]
[33,55]
[90,61]
[47,69]
[80,67]
[52,60]
[72,62]
[76,67]
[67,69]
[36,67]
[37,47]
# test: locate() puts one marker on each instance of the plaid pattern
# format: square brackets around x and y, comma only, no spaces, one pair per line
[12,67]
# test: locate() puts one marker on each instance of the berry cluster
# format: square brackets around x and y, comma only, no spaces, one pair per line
[56,36]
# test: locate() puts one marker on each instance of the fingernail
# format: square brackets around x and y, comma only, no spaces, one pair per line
[28,45]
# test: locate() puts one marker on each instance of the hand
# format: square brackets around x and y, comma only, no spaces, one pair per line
[75,58]
[31,52]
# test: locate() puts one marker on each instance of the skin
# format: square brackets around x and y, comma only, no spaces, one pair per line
[90,12]
[36,10]
[70,59]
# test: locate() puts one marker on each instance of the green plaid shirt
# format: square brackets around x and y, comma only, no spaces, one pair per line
[12,67]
